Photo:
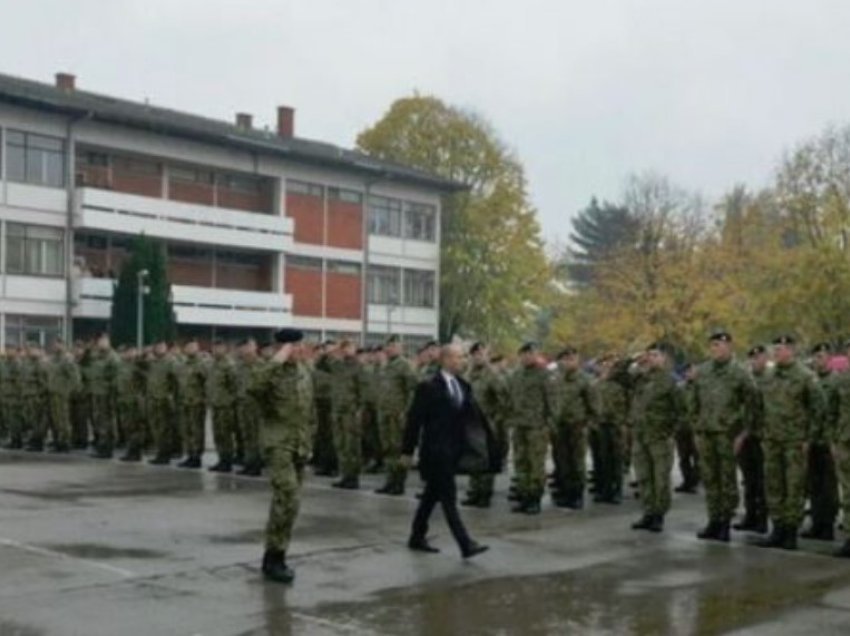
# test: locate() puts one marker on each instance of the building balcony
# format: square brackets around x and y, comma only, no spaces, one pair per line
[195,305]
[109,211]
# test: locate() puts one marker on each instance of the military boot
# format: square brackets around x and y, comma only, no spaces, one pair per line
[748,523]
[844,551]
[275,568]
[347,483]
[789,540]
[775,539]
[656,524]
[251,470]
[710,531]
[193,461]
[723,533]
[819,532]
[223,466]
[643,523]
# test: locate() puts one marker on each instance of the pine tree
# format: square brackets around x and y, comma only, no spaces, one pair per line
[159,320]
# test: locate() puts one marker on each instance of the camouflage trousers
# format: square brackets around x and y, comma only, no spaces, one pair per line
[59,421]
[391,429]
[225,432]
[608,467]
[653,461]
[751,462]
[103,422]
[719,474]
[481,485]
[842,464]
[822,485]
[80,413]
[569,448]
[371,435]
[530,445]
[249,417]
[687,450]
[785,481]
[33,413]
[194,421]
[324,455]
[162,423]
[348,438]
[14,424]
[286,473]
[134,426]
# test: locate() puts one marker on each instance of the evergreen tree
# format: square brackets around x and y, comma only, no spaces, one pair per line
[159,320]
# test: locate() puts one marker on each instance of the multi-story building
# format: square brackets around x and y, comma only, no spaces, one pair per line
[262,229]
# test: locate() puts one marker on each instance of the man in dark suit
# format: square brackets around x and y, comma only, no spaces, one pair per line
[443,412]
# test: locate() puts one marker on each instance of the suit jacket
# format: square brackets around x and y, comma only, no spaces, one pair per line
[447,434]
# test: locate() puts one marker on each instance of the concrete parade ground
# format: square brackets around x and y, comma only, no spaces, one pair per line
[93,548]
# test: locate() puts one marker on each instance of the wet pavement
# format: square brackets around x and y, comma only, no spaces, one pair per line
[103,548]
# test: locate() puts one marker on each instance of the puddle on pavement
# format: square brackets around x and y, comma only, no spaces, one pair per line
[604,600]
[98,551]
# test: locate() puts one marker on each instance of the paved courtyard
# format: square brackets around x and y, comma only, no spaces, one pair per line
[95,548]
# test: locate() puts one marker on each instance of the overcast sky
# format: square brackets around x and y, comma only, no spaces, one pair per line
[708,92]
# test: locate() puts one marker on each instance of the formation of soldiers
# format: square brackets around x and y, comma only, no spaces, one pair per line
[282,405]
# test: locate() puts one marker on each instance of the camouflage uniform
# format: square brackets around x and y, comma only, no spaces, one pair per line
[324,455]
[371,435]
[81,403]
[222,386]
[13,401]
[131,389]
[398,381]
[161,394]
[491,393]
[822,478]
[575,414]
[286,391]
[686,443]
[751,462]
[793,407]
[348,388]
[532,411]
[611,406]
[655,412]
[103,374]
[249,411]
[63,379]
[35,400]
[722,401]
[837,429]
[193,394]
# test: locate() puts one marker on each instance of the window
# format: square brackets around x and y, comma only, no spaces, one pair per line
[304,263]
[384,285]
[348,196]
[240,258]
[35,250]
[238,183]
[418,288]
[344,267]
[91,158]
[188,253]
[384,216]
[23,329]
[419,221]
[35,159]
[302,187]
[190,175]
[90,241]
[135,166]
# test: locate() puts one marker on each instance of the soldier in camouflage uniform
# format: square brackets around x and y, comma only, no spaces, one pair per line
[348,389]
[325,461]
[248,410]
[161,396]
[103,371]
[371,361]
[193,402]
[35,397]
[750,454]
[131,387]
[398,381]
[656,410]
[611,406]
[723,405]
[427,363]
[222,387]
[822,482]
[837,429]
[532,412]
[286,391]
[12,397]
[81,399]
[575,415]
[793,409]
[686,442]
[491,393]
[63,378]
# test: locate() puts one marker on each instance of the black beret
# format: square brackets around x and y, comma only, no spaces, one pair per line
[822,347]
[476,347]
[786,339]
[528,347]
[720,336]
[566,351]
[393,339]
[756,351]
[329,342]
[431,343]
[287,335]
[377,348]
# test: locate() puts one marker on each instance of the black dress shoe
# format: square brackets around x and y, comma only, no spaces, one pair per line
[474,549]
[422,545]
